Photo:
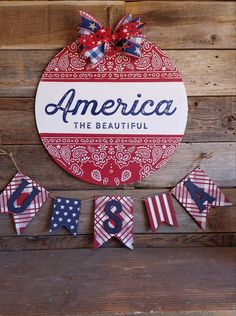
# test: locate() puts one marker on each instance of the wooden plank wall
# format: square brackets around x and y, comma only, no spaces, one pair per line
[199,36]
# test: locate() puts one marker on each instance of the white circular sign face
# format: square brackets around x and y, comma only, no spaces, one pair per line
[114,123]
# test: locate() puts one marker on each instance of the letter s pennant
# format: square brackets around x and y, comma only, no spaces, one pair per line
[22,197]
[113,218]
[197,193]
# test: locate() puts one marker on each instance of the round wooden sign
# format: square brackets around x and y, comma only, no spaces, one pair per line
[113,123]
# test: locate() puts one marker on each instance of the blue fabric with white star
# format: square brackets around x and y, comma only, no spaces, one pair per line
[89,25]
[65,213]
[130,47]
[97,53]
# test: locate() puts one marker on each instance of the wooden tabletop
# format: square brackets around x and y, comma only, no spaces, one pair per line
[118,281]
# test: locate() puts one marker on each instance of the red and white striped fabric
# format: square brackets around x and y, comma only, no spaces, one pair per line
[160,210]
[125,235]
[200,179]
[22,220]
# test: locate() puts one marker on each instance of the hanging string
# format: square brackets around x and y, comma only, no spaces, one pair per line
[52,196]
[82,200]
[3,152]
[197,161]
[203,156]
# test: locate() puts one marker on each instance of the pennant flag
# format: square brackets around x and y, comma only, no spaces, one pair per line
[160,210]
[113,218]
[197,193]
[65,213]
[22,197]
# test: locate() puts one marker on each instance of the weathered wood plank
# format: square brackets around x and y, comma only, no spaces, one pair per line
[170,24]
[209,119]
[127,1]
[220,167]
[175,24]
[205,72]
[62,242]
[34,161]
[54,22]
[118,281]
[221,219]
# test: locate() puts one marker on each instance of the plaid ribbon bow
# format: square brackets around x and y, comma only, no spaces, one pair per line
[96,40]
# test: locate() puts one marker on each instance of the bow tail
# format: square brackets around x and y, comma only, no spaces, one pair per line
[131,47]
[124,20]
[88,24]
[95,54]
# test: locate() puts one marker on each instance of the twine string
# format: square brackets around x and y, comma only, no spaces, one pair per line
[203,156]
[197,161]
[3,152]
[82,200]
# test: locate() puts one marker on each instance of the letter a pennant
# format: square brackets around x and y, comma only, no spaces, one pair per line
[22,197]
[197,193]
[160,210]
[113,218]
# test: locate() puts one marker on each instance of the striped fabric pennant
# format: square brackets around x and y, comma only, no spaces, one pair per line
[113,218]
[160,210]
[22,197]
[198,189]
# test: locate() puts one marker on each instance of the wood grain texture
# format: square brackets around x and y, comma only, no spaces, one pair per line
[174,272]
[63,242]
[204,72]
[145,280]
[34,161]
[220,219]
[144,1]
[55,22]
[168,24]
[209,119]
[193,25]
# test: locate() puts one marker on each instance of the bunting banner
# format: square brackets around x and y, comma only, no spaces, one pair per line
[160,210]
[113,218]
[197,193]
[66,212]
[22,197]
[113,215]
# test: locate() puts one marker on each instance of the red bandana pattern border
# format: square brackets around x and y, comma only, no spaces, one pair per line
[125,234]
[101,157]
[70,65]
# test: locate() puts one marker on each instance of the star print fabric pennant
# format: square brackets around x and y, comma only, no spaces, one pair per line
[113,218]
[22,197]
[66,212]
[197,193]
[160,210]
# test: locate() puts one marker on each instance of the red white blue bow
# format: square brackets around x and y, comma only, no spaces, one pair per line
[96,40]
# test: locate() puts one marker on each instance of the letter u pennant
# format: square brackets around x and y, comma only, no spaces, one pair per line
[197,193]
[22,197]
[113,218]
